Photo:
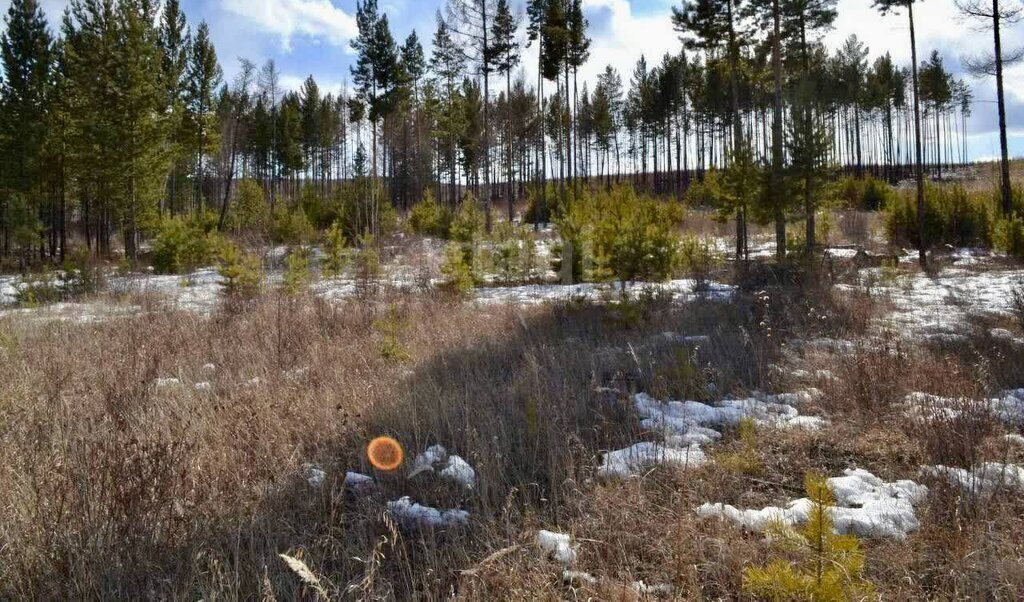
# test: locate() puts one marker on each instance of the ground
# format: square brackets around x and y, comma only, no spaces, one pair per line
[159,444]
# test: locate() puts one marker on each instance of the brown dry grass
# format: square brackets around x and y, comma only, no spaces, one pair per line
[118,488]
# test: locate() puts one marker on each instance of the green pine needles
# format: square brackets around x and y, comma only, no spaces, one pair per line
[819,565]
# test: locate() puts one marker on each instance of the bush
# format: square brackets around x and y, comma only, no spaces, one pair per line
[697,260]
[468,223]
[458,272]
[320,213]
[703,193]
[367,264]
[336,255]
[506,252]
[1017,303]
[291,227]
[866,194]
[250,213]
[297,276]
[1008,236]
[636,237]
[391,328]
[184,243]
[39,288]
[352,206]
[428,218]
[952,216]
[830,567]
[241,271]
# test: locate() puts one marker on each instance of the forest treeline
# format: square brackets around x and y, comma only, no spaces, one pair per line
[123,117]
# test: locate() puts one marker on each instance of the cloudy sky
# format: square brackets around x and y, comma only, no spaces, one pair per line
[312,37]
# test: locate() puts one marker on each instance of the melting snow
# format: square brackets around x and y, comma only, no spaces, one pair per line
[411,514]
[541,293]
[1009,407]
[453,467]
[680,417]
[315,476]
[927,305]
[639,456]
[167,383]
[557,545]
[357,481]
[865,506]
[987,478]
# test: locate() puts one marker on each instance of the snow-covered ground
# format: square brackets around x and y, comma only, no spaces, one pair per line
[540,293]
[942,304]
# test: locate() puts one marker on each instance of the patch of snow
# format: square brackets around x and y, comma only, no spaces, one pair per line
[1008,407]
[167,383]
[542,293]
[673,338]
[411,515]
[452,467]
[1014,439]
[460,471]
[8,290]
[634,459]
[987,478]
[679,417]
[315,476]
[558,546]
[941,304]
[357,481]
[203,386]
[657,589]
[758,520]
[209,368]
[578,578]
[865,506]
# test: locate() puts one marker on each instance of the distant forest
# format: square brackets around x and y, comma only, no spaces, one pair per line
[123,116]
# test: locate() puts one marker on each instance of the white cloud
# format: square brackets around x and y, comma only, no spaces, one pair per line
[293,82]
[317,19]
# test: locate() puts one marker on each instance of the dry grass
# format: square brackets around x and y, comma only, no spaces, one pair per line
[119,488]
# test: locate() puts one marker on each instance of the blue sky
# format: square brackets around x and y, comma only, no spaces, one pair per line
[311,37]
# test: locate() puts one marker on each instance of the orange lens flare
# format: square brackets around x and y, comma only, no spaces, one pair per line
[385,453]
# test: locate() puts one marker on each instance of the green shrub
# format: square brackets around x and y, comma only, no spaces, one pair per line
[39,288]
[428,218]
[291,227]
[1008,236]
[336,253]
[241,272]
[952,216]
[22,225]
[703,193]
[830,566]
[635,236]
[83,274]
[867,194]
[368,266]
[457,271]
[391,328]
[184,243]
[505,252]
[320,212]
[469,221]
[746,459]
[297,276]
[250,212]
[359,206]
[697,260]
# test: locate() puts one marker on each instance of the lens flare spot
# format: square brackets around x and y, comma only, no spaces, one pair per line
[385,453]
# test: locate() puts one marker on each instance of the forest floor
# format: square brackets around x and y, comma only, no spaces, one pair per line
[154,444]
